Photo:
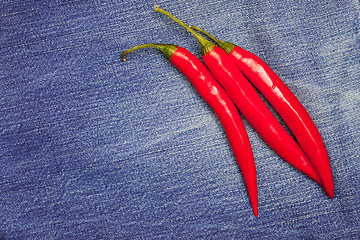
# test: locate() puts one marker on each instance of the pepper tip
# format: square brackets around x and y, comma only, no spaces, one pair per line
[330,192]
[256,214]
[156,7]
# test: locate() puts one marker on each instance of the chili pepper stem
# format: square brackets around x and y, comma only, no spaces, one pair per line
[227,46]
[167,49]
[206,45]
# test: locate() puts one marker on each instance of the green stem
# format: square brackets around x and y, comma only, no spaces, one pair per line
[227,46]
[206,33]
[167,49]
[206,45]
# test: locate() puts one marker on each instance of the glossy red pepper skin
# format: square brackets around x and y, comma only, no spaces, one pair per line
[286,104]
[249,102]
[290,109]
[256,112]
[217,98]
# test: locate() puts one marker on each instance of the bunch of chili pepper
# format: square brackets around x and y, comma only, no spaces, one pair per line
[225,84]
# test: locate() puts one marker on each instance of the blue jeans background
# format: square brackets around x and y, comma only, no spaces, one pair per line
[95,148]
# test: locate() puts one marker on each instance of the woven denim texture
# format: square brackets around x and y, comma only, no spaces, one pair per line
[95,148]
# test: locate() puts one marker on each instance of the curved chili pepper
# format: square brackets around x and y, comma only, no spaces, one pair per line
[249,102]
[286,104]
[214,94]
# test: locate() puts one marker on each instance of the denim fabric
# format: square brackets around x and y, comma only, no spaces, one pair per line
[95,148]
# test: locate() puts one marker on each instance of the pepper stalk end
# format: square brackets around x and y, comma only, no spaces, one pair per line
[227,46]
[206,45]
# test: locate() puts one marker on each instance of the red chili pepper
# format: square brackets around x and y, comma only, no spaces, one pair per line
[214,94]
[250,103]
[286,104]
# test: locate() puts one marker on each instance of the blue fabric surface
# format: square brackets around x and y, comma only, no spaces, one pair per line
[95,148]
